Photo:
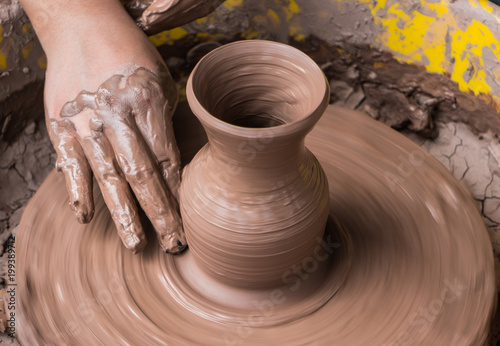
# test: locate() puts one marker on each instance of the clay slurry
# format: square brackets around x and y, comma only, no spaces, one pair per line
[127,143]
[420,257]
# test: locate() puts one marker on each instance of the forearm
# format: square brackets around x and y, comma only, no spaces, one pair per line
[60,22]
[91,39]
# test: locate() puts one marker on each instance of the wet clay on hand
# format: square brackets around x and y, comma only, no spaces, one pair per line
[159,15]
[129,146]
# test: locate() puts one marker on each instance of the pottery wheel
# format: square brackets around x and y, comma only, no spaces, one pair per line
[420,263]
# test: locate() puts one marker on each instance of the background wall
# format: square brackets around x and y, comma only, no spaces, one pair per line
[457,38]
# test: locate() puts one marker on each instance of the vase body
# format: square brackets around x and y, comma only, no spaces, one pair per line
[254,201]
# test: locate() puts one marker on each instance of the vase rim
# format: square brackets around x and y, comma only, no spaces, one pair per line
[305,122]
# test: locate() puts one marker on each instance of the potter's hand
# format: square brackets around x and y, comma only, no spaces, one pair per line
[108,101]
[123,133]
[154,16]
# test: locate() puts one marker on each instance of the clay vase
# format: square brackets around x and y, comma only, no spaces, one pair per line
[254,201]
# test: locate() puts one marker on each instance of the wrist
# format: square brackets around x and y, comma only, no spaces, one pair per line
[60,24]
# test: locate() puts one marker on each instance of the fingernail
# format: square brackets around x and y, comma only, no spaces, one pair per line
[83,215]
[96,125]
[174,242]
[134,239]
[134,244]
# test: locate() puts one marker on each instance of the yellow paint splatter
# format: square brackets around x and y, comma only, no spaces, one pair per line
[250,34]
[42,62]
[26,50]
[484,4]
[181,93]
[274,18]
[288,14]
[203,36]
[4,53]
[408,34]
[3,62]
[26,28]
[294,7]
[168,37]
[300,37]
[177,33]
[437,41]
[230,4]
[467,49]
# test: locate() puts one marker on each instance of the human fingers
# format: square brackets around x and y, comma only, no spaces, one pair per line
[114,189]
[153,112]
[140,170]
[84,100]
[71,161]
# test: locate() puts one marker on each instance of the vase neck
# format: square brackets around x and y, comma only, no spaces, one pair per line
[256,152]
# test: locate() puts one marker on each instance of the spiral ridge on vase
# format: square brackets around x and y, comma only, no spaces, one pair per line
[254,200]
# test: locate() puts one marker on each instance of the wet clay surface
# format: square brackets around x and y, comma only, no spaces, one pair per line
[129,134]
[154,16]
[254,200]
[420,258]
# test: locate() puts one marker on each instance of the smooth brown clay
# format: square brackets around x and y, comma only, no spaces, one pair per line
[254,201]
[420,272]
[130,135]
